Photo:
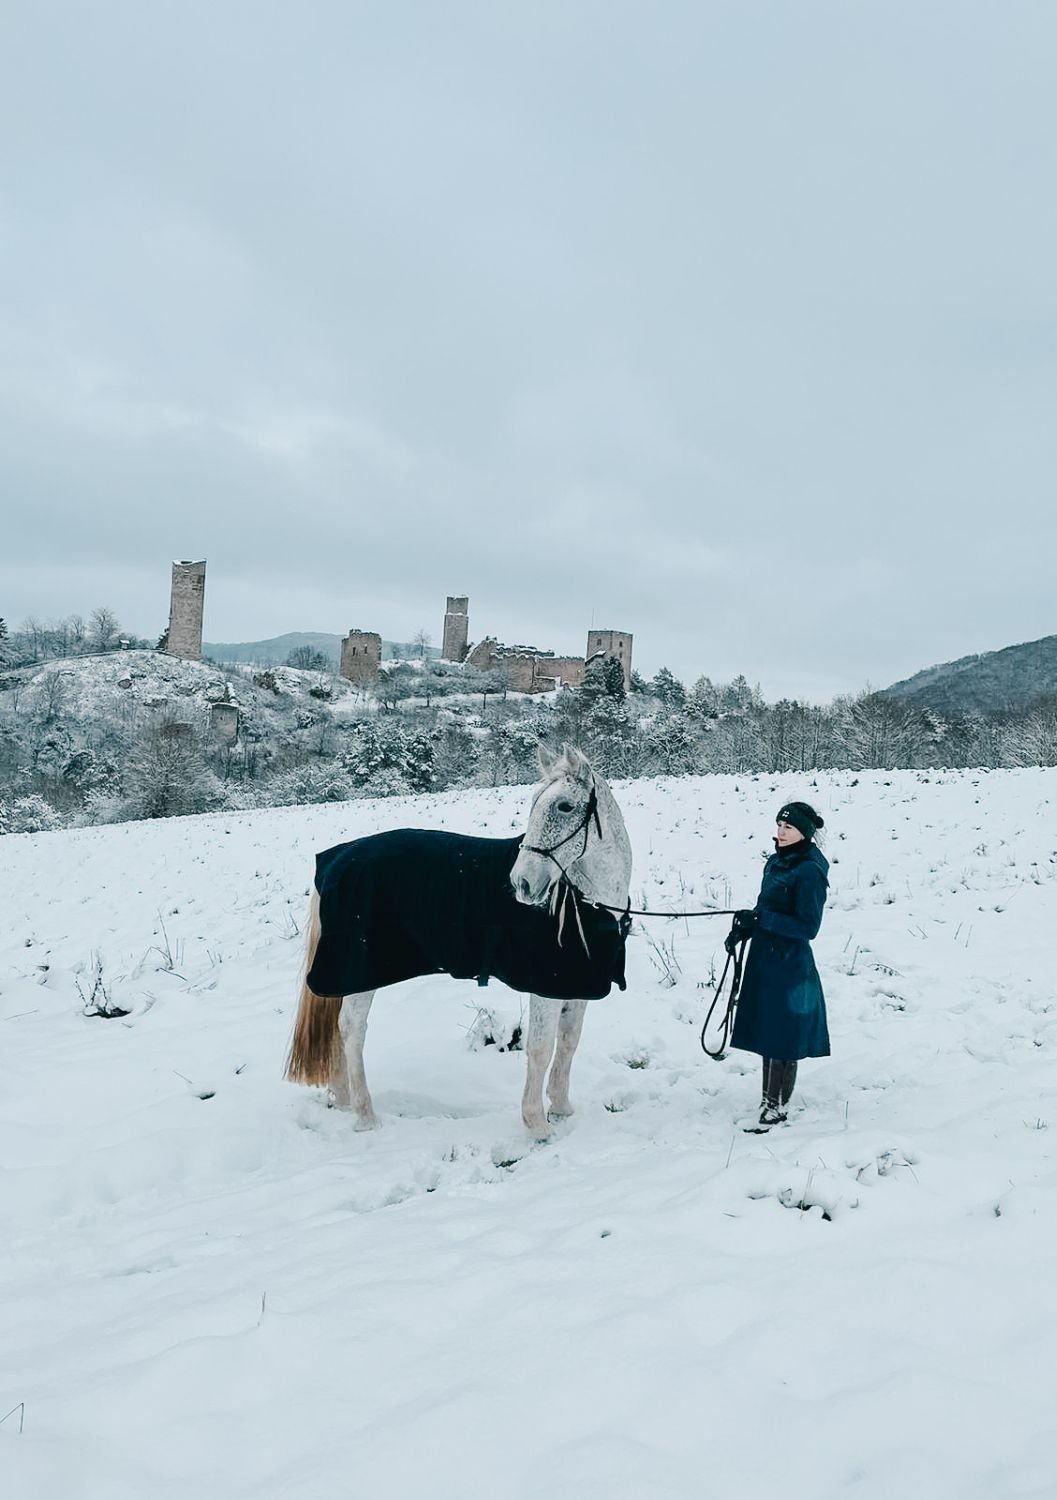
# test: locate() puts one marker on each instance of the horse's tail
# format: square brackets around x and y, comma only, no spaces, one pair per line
[316,1037]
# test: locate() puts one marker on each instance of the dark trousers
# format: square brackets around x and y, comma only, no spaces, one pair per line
[779,1080]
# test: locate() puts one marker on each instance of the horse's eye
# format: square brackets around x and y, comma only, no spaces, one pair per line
[565,807]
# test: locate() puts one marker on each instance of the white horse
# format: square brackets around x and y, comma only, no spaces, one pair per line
[572,871]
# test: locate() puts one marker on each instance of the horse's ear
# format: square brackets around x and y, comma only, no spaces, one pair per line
[576,763]
[546,759]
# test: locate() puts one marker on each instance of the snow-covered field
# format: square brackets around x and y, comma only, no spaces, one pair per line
[211,1286]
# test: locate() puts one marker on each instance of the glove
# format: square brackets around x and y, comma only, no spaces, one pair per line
[742,927]
[744,923]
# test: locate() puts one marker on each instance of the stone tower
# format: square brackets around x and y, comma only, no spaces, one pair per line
[615,643]
[361,654]
[456,629]
[186,604]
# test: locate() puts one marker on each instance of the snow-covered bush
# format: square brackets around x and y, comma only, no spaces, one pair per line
[316,781]
[31,814]
[387,760]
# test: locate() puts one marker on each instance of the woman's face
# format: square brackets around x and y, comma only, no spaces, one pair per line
[786,835]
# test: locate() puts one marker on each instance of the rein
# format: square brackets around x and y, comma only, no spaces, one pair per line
[735,957]
[673,916]
[591,811]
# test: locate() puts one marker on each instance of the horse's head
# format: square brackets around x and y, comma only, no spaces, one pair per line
[574,829]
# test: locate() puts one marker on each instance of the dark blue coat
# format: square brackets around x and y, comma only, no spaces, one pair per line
[781,1012]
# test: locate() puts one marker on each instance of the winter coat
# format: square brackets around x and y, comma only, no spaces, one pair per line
[781,1010]
[417,901]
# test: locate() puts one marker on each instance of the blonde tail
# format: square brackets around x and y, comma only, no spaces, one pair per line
[317,1039]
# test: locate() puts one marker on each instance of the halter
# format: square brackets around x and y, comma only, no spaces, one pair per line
[590,811]
[563,886]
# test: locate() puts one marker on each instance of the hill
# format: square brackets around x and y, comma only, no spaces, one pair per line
[100,737]
[274,652]
[1009,680]
[213,1286]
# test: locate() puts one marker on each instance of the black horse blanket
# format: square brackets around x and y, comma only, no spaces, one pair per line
[414,901]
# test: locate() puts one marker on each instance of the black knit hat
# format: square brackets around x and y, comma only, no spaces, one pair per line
[801,816]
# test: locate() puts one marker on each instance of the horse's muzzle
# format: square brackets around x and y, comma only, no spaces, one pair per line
[526,895]
[531,880]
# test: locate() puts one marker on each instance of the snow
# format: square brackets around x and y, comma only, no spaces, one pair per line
[210,1284]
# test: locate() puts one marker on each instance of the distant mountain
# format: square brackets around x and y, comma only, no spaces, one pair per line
[1010,679]
[274,652]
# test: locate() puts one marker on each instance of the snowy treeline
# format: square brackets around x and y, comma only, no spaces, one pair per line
[46,640]
[129,736]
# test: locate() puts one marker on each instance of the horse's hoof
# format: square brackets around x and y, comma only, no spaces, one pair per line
[365,1122]
[539,1129]
[561,1111]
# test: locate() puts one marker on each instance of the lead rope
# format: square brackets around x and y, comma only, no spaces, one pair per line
[737,958]
[673,916]
[564,885]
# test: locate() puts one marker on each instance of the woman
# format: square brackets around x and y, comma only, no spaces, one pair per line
[781,1011]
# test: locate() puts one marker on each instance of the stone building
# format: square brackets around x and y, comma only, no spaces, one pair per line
[224,721]
[361,655]
[615,643]
[186,606]
[456,628]
[528,669]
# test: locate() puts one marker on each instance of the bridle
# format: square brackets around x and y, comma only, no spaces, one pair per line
[584,827]
[563,888]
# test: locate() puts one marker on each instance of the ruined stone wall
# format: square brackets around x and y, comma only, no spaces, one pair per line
[568,669]
[528,671]
[485,654]
[186,607]
[521,672]
[615,643]
[361,655]
[456,628]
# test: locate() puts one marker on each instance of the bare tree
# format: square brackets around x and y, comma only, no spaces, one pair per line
[308,659]
[104,628]
[52,694]
[32,635]
[78,633]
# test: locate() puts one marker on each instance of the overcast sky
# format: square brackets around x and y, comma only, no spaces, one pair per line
[731,325]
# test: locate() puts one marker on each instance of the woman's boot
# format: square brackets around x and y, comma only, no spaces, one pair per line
[775,1095]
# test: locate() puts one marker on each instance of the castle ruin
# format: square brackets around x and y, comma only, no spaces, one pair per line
[361,655]
[224,721]
[186,607]
[528,669]
[614,643]
[456,637]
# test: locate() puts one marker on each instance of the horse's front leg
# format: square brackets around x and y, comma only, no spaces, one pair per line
[570,1025]
[539,1049]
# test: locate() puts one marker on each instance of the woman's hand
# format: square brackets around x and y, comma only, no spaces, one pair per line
[742,927]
